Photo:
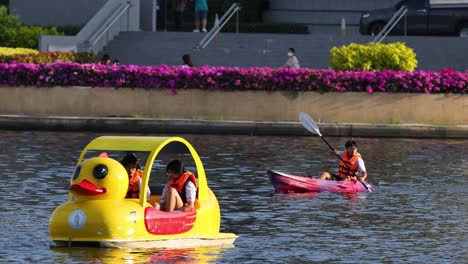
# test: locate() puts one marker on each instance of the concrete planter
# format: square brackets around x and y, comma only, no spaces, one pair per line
[332,107]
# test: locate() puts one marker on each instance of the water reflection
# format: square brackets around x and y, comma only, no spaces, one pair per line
[110,256]
[417,214]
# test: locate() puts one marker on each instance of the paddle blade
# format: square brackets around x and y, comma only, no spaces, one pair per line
[309,123]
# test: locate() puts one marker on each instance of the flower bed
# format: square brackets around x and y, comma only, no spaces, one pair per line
[224,78]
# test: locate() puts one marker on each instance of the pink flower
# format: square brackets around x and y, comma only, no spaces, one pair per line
[447,70]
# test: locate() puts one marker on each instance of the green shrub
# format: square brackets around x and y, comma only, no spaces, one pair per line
[69,30]
[14,34]
[373,56]
[6,20]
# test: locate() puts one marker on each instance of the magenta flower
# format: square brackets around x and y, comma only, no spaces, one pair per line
[226,78]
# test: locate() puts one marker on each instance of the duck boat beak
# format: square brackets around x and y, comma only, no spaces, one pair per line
[86,187]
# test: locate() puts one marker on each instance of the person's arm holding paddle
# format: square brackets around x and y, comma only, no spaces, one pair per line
[362,169]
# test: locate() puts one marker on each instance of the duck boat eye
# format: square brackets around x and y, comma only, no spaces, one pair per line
[100,171]
[76,172]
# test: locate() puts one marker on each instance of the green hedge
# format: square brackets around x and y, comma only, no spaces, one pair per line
[14,34]
[69,30]
[373,56]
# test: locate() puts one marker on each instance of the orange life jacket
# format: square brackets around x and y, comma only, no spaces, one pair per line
[134,185]
[180,183]
[343,170]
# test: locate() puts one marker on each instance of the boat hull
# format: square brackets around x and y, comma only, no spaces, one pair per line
[288,183]
[219,239]
[127,224]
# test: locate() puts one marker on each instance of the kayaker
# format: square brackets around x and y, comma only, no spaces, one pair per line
[354,161]
[181,190]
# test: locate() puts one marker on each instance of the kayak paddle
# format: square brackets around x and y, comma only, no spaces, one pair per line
[310,125]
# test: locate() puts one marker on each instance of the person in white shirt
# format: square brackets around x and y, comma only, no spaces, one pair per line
[180,192]
[292,61]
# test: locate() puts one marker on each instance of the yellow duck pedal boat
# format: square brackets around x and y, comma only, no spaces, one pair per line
[97,212]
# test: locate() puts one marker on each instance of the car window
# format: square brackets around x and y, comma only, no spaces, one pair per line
[413,4]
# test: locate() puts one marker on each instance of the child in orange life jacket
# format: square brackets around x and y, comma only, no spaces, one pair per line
[181,191]
[354,161]
[135,174]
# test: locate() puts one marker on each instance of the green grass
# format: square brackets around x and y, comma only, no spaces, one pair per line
[395,121]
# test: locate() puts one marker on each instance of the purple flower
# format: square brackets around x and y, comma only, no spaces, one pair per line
[226,78]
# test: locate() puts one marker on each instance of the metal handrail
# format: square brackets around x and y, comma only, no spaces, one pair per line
[391,24]
[235,7]
[110,24]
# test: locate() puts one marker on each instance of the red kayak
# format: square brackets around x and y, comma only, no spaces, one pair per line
[287,183]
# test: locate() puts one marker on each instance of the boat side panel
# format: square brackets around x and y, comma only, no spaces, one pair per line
[164,223]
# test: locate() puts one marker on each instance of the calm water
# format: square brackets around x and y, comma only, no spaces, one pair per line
[419,212]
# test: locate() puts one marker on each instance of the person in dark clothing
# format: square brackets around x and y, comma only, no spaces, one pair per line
[179,14]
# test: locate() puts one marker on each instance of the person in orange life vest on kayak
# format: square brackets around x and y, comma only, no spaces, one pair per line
[354,161]
[135,174]
[181,190]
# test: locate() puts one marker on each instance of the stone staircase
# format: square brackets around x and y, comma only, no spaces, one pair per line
[247,50]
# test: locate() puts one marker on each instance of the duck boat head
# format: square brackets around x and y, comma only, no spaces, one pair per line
[99,178]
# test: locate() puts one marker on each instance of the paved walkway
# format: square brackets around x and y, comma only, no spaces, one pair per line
[159,126]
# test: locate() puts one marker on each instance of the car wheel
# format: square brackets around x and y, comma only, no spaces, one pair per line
[375,28]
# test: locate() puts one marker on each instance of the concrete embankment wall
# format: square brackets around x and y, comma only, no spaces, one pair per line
[256,106]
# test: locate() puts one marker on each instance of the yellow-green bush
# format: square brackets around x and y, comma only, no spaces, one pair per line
[33,56]
[10,54]
[373,56]
[4,51]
